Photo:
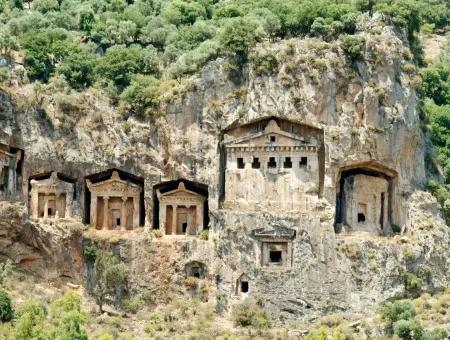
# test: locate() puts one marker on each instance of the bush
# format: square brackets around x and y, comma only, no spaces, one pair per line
[6,310]
[141,97]
[353,46]
[435,334]
[399,310]
[249,314]
[30,321]
[408,329]
[133,304]
[265,64]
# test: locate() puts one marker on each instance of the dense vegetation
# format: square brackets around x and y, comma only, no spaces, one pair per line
[436,95]
[132,49]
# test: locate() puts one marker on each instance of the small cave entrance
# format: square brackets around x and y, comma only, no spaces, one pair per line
[195,269]
[115,216]
[183,218]
[242,285]
[365,197]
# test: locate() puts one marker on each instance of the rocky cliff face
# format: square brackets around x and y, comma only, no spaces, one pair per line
[368,111]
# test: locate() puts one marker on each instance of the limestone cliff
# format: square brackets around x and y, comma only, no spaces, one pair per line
[369,114]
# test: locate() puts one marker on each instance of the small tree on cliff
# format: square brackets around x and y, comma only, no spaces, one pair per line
[110,276]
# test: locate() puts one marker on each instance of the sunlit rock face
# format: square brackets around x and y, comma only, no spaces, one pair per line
[345,134]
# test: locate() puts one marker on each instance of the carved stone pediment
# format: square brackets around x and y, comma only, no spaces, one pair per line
[180,195]
[274,233]
[51,185]
[114,187]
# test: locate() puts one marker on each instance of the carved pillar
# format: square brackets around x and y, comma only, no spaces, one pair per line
[45,206]
[123,214]
[174,219]
[12,178]
[105,213]
[94,200]
[199,217]
[34,203]
[191,228]
[68,212]
[162,217]
[135,212]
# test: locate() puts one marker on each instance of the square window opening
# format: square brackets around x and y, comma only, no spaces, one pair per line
[273,139]
[287,163]
[275,256]
[244,286]
[303,161]
[361,217]
[272,163]
[240,163]
[256,164]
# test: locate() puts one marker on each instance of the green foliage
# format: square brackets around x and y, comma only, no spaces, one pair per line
[353,47]
[142,96]
[436,83]
[435,334]
[265,64]
[398,310]
[133,304]
[78,68]
[90,252]
[408,329]
[204,235]
[6,310]
[110,275]
[5,271]
[249,314]
[30,321]
[67,318]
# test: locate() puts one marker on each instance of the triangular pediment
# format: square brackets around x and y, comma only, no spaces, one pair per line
[114,185]
[181,192]
[263,138]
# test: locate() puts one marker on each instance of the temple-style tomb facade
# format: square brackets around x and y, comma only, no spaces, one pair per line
[181,211]
[51,197]
[11,160]
[115,203]
[272,164]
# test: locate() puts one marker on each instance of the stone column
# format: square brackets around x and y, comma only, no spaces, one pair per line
[190,226]
[123,214]
[105,213]
[135,212]
[45,206]
[199,218]
[162,217]
[94,200]
[174,219]
[34,204]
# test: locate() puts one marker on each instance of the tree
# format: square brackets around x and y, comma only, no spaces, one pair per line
[119,64]
[45,6]
[30,321]
[142,96]
[68,318]
[110,276]
[43,50]
[240,34]
[157,31]
[78,68]
[408,329]
[6,310]
[179,12]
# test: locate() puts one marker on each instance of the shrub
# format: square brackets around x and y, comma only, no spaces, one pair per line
[6,310]
[265,64]
[5,270]
[30,321]
[68,318]
[90,252]
[133,304]
[396,229]
[204,235]
[435,334]
[398,310]
[249,314]
[408,329]
[141,97]
[353,46]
